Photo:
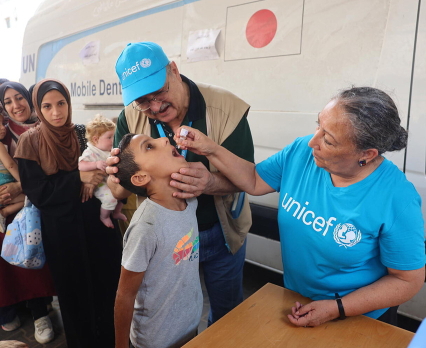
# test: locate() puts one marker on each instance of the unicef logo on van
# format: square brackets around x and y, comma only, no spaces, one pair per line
[346,235]
[145,63]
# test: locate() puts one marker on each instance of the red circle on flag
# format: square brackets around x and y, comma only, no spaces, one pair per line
[261,28]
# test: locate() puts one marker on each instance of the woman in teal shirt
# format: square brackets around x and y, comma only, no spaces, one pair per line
[351,228]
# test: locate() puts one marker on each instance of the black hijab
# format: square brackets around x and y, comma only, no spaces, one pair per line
[47,87]
[17,87]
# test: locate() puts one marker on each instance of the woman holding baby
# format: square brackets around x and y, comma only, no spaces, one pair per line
[83,254]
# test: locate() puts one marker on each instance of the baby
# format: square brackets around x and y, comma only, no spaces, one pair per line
[8,173]
[100,135]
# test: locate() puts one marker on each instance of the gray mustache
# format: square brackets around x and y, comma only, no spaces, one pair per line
[162,107]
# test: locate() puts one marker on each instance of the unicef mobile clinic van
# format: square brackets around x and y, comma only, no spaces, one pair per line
[286,58]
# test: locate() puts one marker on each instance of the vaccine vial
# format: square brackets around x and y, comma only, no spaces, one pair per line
[183,134]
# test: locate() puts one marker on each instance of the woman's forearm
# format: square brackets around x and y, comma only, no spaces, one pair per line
[219,185]
[240,172]
[390,290]
[13,169]
[8,162]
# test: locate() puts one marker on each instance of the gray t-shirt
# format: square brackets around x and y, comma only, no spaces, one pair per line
[164,244]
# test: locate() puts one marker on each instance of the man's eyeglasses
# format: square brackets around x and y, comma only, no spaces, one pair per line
[146,104]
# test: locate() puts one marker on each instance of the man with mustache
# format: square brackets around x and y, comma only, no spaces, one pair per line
[158,101]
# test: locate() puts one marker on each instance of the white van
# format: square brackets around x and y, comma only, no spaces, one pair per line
[286,58]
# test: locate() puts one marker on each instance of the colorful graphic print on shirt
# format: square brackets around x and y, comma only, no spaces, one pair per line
[185,249]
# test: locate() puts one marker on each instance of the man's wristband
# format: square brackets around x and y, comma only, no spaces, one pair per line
[340,305]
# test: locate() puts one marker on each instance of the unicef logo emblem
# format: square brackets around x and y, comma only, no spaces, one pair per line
[145,63]
[346,235]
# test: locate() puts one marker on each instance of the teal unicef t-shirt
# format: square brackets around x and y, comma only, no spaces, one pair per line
[339,239]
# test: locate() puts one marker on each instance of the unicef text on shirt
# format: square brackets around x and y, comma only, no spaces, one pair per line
[307,216]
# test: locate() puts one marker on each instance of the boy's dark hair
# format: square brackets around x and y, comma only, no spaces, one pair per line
[127,166]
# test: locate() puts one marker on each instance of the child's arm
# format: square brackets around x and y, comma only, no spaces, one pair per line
[86,166]
[9,163]
[124,303]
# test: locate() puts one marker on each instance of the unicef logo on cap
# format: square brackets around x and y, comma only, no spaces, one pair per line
[346,235]
[145,63]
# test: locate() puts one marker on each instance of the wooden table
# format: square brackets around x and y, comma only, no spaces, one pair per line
[261,322]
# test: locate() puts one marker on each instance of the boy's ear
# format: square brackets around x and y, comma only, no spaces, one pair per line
[95,139]
[140,179]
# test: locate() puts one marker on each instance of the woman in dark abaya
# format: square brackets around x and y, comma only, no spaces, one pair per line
[84,255]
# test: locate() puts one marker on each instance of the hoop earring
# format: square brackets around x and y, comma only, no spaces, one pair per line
[362,163]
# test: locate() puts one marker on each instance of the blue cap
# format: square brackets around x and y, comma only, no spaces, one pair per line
[141,69]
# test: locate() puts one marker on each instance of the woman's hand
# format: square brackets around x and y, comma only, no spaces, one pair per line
[314,313]
[101,165]
[86,192]
[9,191]
[111,169]
[196,142]
[93,177]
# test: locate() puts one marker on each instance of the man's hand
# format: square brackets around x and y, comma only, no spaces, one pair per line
[192,180]
[111,169]
[101,165]
[118,191]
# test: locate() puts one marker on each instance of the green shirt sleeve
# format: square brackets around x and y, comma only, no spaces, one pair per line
[240,142]
[121,129]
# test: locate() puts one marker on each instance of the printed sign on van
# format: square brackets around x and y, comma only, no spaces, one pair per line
[202,45]
[264,29]
[90,53]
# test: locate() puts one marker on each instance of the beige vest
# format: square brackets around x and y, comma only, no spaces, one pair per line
[224,112]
